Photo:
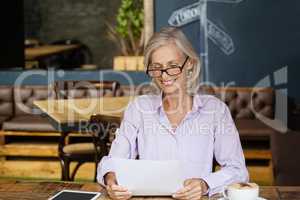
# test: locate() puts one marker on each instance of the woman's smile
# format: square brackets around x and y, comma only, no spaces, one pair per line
[168,82]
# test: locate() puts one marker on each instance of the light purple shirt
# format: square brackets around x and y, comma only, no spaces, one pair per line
[206,132]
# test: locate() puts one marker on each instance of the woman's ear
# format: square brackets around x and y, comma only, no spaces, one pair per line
[190,64]
[189,73]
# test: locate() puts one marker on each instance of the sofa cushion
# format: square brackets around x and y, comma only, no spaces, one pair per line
[6,101]
[24,97]
[253,128]
[34,123]
[3,119]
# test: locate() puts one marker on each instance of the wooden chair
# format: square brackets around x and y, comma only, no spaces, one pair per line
[103,128]
[76,58]
[82,152]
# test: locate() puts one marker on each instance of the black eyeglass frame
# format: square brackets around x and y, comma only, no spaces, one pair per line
[166,70]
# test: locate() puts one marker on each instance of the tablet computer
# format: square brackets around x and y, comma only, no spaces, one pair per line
[75,195]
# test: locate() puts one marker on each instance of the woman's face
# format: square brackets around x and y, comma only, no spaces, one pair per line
[169,56]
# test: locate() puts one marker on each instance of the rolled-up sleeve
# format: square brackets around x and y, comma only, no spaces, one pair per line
[124,145]
[227,152]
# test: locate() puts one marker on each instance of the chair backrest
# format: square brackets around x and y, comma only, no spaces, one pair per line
[76,58]
[103,129]
[285,156]
[84,89]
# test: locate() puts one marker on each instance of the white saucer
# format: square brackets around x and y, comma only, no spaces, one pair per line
[259,198]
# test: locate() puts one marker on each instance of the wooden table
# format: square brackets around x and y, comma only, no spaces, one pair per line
[73,115]
[66,115]
[29,190]
[36,53]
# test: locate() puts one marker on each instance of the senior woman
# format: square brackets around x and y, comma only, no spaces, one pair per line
[178,124]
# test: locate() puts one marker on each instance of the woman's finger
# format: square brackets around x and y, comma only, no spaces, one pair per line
[193,191]
[187,182]
[184,190]
[195,195]
[125,197]
[118,192]
[122,193]
[116,197]
[188,186]
[188,193]
[118,188]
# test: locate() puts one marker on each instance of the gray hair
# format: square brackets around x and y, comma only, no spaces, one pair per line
[175,35]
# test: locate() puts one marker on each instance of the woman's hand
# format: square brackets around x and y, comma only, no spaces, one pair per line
[115,191]
[193,189]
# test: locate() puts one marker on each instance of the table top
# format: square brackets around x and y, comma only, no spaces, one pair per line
[79,110]
[35,53]
[30,190]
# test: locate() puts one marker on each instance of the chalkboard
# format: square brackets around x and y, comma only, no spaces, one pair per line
[241,42]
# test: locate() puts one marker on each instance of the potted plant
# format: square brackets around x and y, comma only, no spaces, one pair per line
[128,35]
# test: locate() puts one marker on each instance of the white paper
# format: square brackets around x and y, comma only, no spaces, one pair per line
[149,177]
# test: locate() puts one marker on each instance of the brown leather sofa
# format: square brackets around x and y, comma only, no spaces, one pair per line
[244,103]
[17,112]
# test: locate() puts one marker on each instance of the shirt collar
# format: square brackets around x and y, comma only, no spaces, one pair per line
[197,102]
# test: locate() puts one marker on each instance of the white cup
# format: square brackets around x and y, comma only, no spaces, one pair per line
[241,191]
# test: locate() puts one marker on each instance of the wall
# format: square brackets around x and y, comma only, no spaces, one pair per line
[11,34]
[51,20]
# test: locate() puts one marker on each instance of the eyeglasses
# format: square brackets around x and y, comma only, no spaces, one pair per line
[155,70]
